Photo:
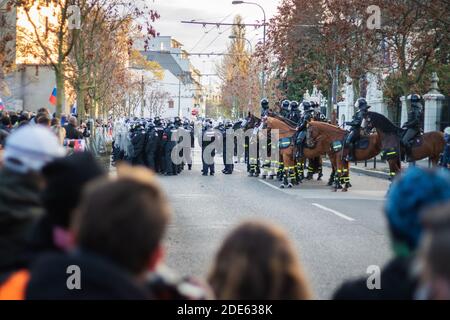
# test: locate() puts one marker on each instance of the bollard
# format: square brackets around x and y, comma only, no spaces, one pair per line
[375,162]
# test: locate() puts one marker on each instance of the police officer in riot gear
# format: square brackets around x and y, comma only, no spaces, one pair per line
[354,135]
[169,145]
[159,153]
[295,114]
[284,112]
[151,145]
[412,126]
[264,107]
[208,137]
[301,129]
[187,152]
[227,157]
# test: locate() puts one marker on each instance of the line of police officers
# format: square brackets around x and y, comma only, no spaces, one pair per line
[149,142]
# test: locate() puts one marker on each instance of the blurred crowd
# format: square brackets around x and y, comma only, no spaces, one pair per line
[59,211]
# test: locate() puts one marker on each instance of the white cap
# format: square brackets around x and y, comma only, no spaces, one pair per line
[447,130]
[30,148]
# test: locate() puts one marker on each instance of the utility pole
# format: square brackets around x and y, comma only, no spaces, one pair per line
[263,80]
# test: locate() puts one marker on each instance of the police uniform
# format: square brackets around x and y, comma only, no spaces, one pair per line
[264,107]
[355,130]
[284,112]
[208,135]
[413,124]
[295,114]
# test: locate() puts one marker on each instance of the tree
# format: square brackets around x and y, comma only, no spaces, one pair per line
[50,39]
[239,74]
[417,36]
[7,36]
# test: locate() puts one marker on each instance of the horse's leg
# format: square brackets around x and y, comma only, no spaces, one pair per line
[333,171]
[310,169]
[346,176]
[320,168]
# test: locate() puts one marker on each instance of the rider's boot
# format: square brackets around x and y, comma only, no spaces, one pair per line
[408,148]
[351,152]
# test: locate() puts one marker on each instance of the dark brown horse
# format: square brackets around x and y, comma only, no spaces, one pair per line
[429,145]
[287,148]
[330,139]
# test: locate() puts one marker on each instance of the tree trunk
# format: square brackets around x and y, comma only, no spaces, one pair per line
[59,75]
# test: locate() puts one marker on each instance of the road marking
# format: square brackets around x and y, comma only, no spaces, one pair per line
[270,185]
[343,216]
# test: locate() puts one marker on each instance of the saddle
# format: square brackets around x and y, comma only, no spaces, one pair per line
[362,143]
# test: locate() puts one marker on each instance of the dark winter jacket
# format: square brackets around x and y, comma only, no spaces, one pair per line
[100,279]
[397,283]
[72,132]
[20,207]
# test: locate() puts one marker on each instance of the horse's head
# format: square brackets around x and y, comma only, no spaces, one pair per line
[250,122]
[367,123]
[312,133]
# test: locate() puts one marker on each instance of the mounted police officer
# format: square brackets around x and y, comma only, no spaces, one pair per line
[284,112]
[295,114]
[318,115]
[302,126]
[355,131]
[412,126]
[264,107]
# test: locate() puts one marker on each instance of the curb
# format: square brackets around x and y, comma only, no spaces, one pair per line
[371,173]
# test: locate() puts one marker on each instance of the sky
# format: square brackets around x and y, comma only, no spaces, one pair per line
[197,38]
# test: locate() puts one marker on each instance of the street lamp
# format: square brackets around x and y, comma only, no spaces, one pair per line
[264,39]
[248,41]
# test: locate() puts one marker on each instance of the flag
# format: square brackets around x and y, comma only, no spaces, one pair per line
[2,105]
[53,97]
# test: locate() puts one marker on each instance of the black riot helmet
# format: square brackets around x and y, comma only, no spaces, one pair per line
[361,104]
[306,106]
[294,106]
[265,103]
[415,98]
[157,121]
[285,104]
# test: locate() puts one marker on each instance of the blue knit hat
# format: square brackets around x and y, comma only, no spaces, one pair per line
[417,189]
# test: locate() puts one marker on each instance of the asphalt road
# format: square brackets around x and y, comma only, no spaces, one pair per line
[337,235]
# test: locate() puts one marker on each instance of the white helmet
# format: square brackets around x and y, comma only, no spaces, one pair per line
[30,148]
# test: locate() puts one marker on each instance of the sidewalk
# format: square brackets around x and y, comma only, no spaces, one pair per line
[378,169]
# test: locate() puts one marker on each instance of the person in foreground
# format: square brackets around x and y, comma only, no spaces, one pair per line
[117,233]
[407,201]
[434,256]
[258,262]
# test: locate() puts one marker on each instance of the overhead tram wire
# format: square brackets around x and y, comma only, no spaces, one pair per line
[208,31]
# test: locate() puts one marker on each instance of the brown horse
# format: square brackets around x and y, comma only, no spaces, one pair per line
[429,145]
[287,148]
[329,138]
